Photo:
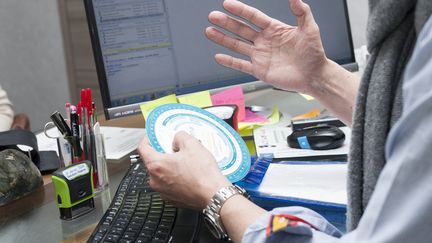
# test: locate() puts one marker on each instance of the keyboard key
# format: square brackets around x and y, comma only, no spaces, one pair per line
[98,237]
[124,217]
[140,214]
[167,219]
[163,229]
[143,240]
[129,235]
[145,233]
[161,236]
[103,229]
[116,231]
[150,226]
[120,223]
[134,228]
[112,238]
[168,214]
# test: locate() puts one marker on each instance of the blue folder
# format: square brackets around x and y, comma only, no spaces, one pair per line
[335,213]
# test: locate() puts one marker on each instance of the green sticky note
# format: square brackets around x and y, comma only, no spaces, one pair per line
[146,108]
[199,99]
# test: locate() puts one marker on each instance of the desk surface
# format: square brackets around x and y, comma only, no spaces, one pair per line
[35,217]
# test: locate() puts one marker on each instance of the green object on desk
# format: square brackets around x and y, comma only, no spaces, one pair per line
[74,190]
[246,128]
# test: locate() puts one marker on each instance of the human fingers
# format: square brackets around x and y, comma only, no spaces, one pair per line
[229,42]
[235,63]
[303,13]
[147,152]
[247,12]
[182,140]
[233,25]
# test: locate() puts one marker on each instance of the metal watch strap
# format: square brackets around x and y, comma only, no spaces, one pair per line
[213,208]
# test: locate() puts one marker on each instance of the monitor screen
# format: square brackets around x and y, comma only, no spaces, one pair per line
[146,49]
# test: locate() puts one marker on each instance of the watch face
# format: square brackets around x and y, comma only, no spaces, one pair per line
[223,142]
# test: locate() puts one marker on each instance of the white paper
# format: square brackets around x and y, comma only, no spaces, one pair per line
[272,140]
[318,182]
[45,143]
[120,141]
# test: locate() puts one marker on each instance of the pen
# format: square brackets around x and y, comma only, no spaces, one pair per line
[84,123]
[61,125]
[68,110]
[77,151]
[79,112]
[89,108]
[95,119]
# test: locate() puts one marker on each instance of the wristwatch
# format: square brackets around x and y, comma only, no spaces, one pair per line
[212,211]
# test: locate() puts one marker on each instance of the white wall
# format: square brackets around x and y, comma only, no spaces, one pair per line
[358,12]
[32,63]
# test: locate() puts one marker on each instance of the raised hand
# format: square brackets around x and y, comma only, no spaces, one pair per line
[285,56]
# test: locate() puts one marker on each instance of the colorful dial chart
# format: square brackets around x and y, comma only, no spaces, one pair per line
[226,145]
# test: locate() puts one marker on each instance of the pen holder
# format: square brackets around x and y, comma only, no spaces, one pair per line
[64,151]
[101,164]
[64,148]
[93,150]
[90,147]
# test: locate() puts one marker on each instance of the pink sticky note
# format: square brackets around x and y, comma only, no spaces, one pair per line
[253,117]
[229,97]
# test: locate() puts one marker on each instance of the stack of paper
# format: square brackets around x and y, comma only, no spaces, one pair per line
[325,182]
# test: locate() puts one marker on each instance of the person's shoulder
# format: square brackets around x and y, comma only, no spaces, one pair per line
[417,81]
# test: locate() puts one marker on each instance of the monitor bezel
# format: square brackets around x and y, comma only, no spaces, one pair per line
[133,109]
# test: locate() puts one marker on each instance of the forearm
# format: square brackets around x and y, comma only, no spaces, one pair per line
[336,88]
[237,214]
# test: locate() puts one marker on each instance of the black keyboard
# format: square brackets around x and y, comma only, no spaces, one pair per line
[138,214]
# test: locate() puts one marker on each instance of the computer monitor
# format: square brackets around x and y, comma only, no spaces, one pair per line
[146,49]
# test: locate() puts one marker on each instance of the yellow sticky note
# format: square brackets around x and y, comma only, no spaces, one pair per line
[251,146]
[307,97]
[199,99]
[246,128]
[275,117]
[149,106]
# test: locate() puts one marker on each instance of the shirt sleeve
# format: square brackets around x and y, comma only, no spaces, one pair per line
[6,112]
[291,224]
[400,207]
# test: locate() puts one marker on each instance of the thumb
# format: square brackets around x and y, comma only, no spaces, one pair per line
[303,14]
[181,141]
[147,152]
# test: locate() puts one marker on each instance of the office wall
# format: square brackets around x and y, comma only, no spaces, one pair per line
[358,12]
[32,63]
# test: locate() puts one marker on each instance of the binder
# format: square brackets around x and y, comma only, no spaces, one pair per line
[334,212]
